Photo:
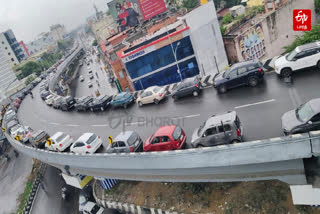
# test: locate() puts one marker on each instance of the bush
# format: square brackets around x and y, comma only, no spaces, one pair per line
[29,80]
[223,30]
[94,43]
[226,19]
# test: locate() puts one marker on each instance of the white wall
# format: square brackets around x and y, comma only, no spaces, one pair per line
[305,195]
[206,38]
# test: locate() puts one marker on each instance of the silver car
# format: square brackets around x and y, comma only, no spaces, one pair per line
[302,119]
[128,141]
[217,130]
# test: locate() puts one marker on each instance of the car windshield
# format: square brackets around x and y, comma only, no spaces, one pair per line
[132,139]
[118,97]
[91,139]
[177,133]
[227,72]
[201,128]
[291,55]
[15,128]
[304,112]
[40,135]
[156,89]
[127,95]
[95,209]
[61,137]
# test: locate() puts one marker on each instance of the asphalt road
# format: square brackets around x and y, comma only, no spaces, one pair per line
[259,109]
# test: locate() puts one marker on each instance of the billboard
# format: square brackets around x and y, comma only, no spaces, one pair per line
[251,43]
[151,8]
[126,13]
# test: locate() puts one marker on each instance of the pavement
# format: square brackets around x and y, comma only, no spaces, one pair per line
[259,109]
[50,200]
[13,178]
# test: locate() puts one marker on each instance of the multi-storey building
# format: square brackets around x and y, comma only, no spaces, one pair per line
[58,31]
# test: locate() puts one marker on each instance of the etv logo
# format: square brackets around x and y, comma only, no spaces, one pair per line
[301,20]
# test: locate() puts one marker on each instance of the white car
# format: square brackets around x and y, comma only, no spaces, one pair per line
[89,70]
[92,208]
[81,78]
[303,56]
[153,94]
[89,84]
[60,141]
[49,99]
[86,143]
[25,132]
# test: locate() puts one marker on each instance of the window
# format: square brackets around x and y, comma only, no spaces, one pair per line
[242,70]
[316,118]
[156,89]
[9,53]
[12,59]
[5,48]
[210,131]
[224,128]
[78,144]
[121,74]
[118,144]
[132,139]
[91,139]
[155,140]
[165,139]
[148,93]
[311,52]
[2,42]
[177,133]
[304,112]
[300,55]
[61,137]
[233,74]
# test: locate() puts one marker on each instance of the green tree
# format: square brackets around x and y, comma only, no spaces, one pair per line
[307,37]
[190,4]
[227,19]
[29,68]
[317,6]
[29,80]
[231,3]
[223,30]
[94,43]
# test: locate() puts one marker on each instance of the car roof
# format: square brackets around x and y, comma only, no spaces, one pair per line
[56,135]
[315,105]
[224,118]
[123,136]
[188,80]
[85,137]
[151,88]
[308,46]
[164,130]
[244,63]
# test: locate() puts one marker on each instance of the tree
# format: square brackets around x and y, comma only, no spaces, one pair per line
[189,4]
[317,6]
[29,68]
[94,43]
[227,19]
[223,30]
[307,37]
[29,80]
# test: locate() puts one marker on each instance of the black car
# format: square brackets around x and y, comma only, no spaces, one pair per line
[44,94]
[67,103]
[57,102]
[83,104]
[190,86]
[100,104]
[242,73]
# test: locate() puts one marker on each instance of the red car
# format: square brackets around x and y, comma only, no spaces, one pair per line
[166,138]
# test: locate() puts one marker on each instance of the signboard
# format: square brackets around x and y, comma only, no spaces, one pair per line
[151,8]
[251,43]
[126,13]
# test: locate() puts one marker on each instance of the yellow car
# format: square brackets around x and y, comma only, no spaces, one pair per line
[153,94]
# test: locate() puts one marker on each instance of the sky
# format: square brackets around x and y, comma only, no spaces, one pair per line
[29,18]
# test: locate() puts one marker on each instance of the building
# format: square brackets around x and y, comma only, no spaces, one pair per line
[58,31]
[103,27]
[8,80]
[24,48]
[42,42]
[10,46]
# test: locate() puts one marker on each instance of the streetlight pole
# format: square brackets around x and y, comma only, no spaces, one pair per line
[174,52]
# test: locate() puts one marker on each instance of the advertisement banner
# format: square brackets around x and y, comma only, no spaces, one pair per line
[126,13]
[151,8]
[251,43]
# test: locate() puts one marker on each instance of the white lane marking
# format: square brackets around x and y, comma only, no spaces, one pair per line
[253,104]
[58,124]
[100,125]
[72,125]
[135,123]
[188,116]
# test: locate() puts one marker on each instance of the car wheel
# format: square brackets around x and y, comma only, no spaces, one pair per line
[102,109]
[156,101]
[235,141]
[195,93]
[91,109]
[253,81]
[318,65]
[286,72]
[125,106]
[175,98]
[199,146]
[140,103]
[222,89]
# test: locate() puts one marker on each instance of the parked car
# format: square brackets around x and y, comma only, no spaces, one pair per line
[89,70]
[25,132]
[67,103]
[38,139]
[127,141]
[60,142]
[153,94]
[9,115]
[219,129]
[86,143]
[50,99]
[81,78]
[11,124]
[90,84]
[92,208]
[123,99]
[242,73]
[305,118]
[190,86]
[83,103]
[301,57]
[166,138]
[90,76]
[100,103]
[44,94]
[57,102]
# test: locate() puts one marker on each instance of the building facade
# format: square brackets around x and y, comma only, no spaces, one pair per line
[10,46]
[44,41]
[24,48]
[58,31]
[8,79]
